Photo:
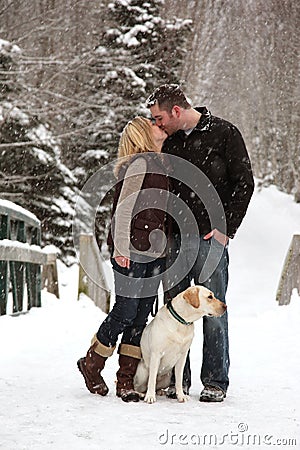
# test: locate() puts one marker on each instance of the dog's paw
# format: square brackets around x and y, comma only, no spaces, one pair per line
[149,398]
[182,398]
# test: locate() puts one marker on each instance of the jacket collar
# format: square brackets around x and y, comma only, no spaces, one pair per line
[204,123]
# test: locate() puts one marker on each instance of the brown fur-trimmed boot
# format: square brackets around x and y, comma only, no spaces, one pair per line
[92,365]
[129,357]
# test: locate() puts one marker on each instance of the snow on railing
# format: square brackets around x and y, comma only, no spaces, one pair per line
[21,258]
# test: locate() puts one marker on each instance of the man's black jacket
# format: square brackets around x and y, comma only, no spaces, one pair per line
[217,148]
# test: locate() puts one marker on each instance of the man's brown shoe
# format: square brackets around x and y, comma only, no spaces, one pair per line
[212,394]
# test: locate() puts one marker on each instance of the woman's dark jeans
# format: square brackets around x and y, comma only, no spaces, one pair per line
[133,303]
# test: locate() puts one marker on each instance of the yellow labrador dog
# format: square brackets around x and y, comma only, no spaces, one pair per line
[166,340]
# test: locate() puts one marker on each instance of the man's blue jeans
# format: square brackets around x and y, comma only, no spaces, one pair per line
[215,359]
[130,313]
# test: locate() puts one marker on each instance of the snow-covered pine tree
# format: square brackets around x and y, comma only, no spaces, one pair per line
[138,50]
[32,174]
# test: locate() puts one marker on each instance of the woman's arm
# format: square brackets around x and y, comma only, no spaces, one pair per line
[132,184]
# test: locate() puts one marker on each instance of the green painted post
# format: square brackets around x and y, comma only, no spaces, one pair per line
[4,234]
[30,300]
[12,276]
[34,277]
[17,272]
[3,286]
[20,267]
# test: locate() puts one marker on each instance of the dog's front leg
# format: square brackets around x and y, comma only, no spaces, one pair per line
[153,369]
[178,378]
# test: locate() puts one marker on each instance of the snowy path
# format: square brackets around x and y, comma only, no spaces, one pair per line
[45,405]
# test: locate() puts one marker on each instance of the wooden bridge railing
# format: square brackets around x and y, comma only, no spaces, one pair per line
[21,258]
[290,276]
[92,278]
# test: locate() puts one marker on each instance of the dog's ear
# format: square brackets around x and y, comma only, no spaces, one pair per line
[191,295]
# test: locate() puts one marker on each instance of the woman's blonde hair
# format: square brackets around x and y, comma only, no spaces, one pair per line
[136,138]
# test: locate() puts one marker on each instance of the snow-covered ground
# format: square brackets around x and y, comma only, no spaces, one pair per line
[44,403]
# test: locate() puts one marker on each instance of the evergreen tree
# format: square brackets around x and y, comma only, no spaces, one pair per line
[139,50]
[32,174]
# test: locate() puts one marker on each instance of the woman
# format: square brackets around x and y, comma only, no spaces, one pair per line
[137,240]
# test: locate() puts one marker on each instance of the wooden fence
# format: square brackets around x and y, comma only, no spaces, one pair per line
[290,276]
[21,258]
[92,279]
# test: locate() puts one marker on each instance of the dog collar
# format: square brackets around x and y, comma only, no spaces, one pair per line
[176,315]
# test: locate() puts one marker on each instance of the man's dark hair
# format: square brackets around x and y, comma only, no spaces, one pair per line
[166,96]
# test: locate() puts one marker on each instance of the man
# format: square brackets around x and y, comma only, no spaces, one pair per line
[216,148]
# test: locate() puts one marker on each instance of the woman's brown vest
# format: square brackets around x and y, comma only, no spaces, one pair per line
[149,212]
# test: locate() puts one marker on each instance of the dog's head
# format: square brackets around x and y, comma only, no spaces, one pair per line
[204,301]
